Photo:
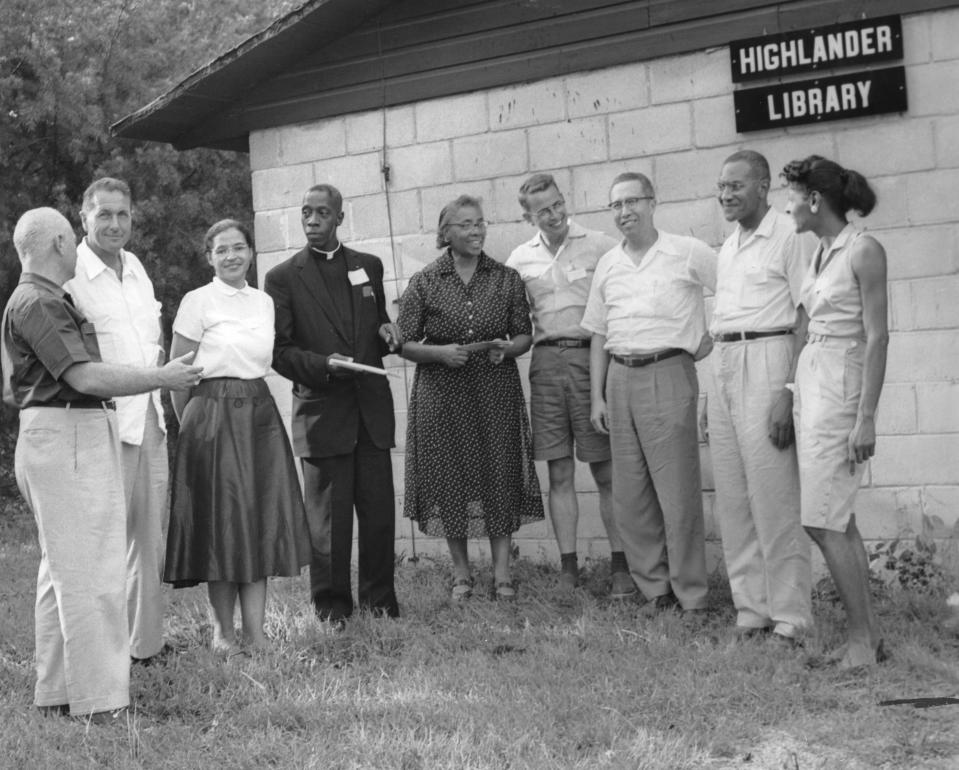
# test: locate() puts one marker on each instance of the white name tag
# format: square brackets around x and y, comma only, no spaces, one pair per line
[576,275]
[358,276]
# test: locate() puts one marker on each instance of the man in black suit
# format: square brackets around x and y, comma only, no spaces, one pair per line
[330,306]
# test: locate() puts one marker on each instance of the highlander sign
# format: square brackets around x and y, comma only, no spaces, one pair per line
[839,45]
[866,92]
[811,101]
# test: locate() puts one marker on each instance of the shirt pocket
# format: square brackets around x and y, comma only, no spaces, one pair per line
[754,290]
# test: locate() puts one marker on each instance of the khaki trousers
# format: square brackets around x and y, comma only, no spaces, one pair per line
[757,487]
[657,487]
[68,470]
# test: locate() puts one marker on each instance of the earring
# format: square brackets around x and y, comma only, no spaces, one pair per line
[814,208]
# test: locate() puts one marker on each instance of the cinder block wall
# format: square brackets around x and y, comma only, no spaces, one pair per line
[673,120]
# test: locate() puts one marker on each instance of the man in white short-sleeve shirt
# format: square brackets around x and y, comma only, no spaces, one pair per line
[646,315]
[113,291]
[758,329]
[557,266]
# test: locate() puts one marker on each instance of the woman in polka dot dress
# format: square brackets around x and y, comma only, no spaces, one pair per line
[469,467]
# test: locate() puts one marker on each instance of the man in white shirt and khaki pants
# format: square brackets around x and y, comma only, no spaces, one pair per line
[112,290]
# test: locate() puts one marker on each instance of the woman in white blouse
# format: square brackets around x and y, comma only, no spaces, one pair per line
[838,380]
[236,512]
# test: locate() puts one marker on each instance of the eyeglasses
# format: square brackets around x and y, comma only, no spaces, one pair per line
[556,208]
[629,203]
[237,248]
[733,187]
[466,227]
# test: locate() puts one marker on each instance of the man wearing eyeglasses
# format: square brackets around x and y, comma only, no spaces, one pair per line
[113,291]
[646,315]
[557,266]
[758,328]
[330,307]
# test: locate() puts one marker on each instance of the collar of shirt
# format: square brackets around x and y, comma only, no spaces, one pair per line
[230,291]
[840,242]
[662,245]
[43,283]
[764,230]
[92,265]
[575,231]
[445,262]
[320,254]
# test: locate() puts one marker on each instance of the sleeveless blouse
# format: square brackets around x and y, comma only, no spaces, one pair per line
[830,291]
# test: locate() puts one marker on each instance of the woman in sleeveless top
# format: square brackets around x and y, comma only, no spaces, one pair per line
[838,380]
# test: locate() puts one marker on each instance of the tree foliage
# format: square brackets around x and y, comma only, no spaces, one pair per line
[71,68]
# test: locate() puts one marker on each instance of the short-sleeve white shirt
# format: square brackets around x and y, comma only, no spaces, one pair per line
[234,328]
[558,285]
[656,304]
[759,282]
[126,316]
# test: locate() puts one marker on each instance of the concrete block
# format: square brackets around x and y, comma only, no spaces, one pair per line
[689,175]
[415,252]
[401,387]
[601,220]
[925,303]
[590,185]
[706,467]
[650,131]
[780,148]
[919,459]
[590,521]
[938,407]
[897,412]
[364,217]
[690,76]
[569,143]
[378,247]
[888,148]
[405,212]
[306,142]
[943,26]
[714,122]
[931,194]
[264,149]
[923,356]
[266,261]
[884,513]
[941,506]
[932,88]
[711,525]
[270,229]
[433,199]
[893,205]
[916,38]
[401,423]
[501,239]
[275,188]
[352,175]
[607,91]
[527,105]
[916,252]
[364,131]
[700,219]
[451,117]
[490,155]
[946,138]
[399,473]
[421,165]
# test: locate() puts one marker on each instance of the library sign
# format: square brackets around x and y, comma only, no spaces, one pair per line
[865,92]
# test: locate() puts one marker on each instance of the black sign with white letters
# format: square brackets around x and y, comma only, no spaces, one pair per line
[810,101]
[838,45]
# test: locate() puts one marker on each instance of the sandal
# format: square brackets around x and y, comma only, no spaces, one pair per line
[462,588]
[505,591]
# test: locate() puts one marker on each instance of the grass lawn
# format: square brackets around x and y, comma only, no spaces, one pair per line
[546,682]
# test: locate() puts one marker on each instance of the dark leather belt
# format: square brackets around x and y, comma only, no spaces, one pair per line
[564,343]
[652,358]
[741,336]
[80,404]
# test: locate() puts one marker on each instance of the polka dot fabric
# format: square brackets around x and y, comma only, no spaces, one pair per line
[469,467]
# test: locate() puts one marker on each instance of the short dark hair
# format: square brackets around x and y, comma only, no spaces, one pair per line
[222,226]
[755,160]
[447,212]
[104,184]
[536,183]
[330,190]
[635,176]
[842,189]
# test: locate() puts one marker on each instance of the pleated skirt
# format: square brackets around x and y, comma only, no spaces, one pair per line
[236,512]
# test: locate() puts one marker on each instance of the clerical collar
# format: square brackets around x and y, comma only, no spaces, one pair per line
[326,254]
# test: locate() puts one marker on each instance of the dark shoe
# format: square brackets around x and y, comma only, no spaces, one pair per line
[504,591]
[103,718]
[567,581]
[462,589]
[60,710]
[743,633]
[665,603]
[621,585]
[165,650]
[784,642]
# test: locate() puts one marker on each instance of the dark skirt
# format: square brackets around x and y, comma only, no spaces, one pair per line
[237,511]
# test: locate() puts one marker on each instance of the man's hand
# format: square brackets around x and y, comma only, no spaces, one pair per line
[339,372]
[704,420]
[452,356]
[497,354]
[180,374]
[862,442]
[392,336]
[780,422]
[599,416]
[704,349]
